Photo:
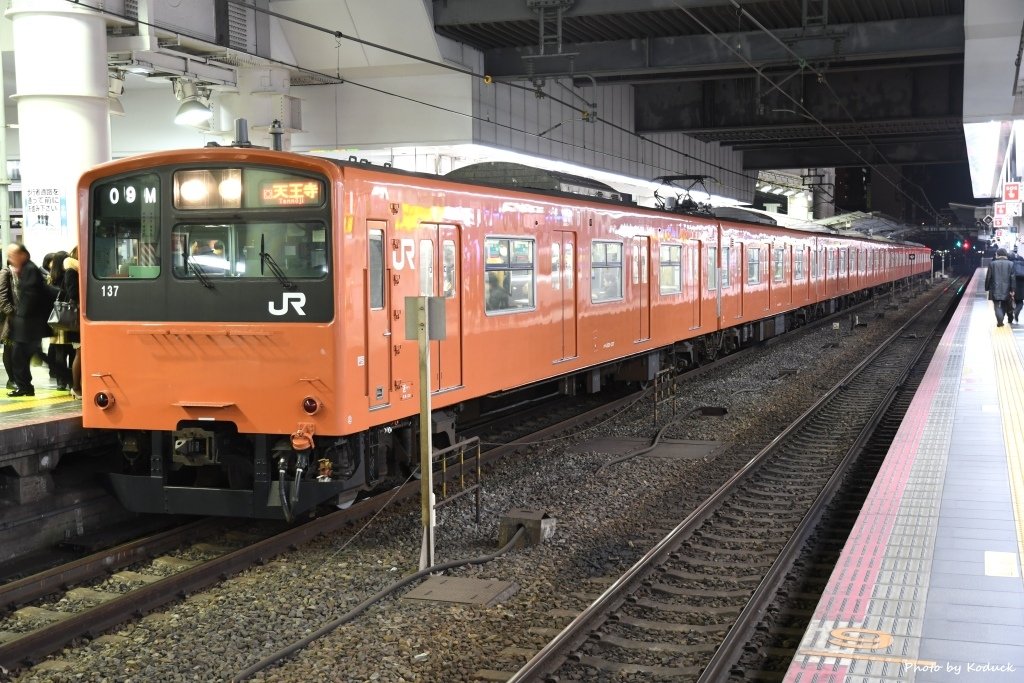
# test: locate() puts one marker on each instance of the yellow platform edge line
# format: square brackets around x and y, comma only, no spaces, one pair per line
[1009,370]
[37,401]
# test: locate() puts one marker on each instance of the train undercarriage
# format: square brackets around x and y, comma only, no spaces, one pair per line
[206,468]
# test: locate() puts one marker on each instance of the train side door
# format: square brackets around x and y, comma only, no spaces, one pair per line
[563,283]
[642,284]
[693,284]
[378,317]
[440,270]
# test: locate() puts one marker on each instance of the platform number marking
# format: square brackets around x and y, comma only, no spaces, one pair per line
[109,290]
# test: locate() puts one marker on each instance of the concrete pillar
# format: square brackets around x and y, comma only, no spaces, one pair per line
[261,99]
[60,61]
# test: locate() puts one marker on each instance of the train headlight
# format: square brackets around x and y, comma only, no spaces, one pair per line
[311,405]
[103,400]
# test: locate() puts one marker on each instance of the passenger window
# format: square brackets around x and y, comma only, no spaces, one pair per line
[843,257]
[376,269]
[426,268]
[779,264]
[798,263]
[644,266]
[712,268]
[636,264]
[753,266]
[567,265]
[450,272]
[606,271]
[556,266]
[671,274]
[508,274]
[726,265]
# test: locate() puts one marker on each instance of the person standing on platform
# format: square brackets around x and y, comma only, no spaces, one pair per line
[1018,281]
[8,306]
[999,283]
[35,299]
[60,352]
[69,287]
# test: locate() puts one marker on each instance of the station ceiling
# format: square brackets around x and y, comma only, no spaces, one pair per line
[885,77]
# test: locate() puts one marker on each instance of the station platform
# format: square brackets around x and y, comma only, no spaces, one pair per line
[34,433]
[928,587]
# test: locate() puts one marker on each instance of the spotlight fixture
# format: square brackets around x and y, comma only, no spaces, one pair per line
[193,110]
[115,88]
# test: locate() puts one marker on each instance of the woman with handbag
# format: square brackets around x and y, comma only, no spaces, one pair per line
[62,352]
[69,289]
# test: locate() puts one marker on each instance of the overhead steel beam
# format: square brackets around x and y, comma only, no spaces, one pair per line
[460,12]
[892,40]
[912,96]
[923,151]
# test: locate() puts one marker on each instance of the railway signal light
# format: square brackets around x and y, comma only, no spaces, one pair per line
[958,244]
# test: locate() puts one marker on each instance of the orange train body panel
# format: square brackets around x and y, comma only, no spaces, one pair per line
[391,235]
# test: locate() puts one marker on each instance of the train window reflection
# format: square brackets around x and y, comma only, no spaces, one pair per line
[726,265]
[508,274]
[605,271]
[671,273]
[753,265]
[126,228]
[376,269]
[250,250]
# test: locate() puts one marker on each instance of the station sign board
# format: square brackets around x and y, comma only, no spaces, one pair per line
[1011,192]
[999,209]
[1013,208]
[1002,222]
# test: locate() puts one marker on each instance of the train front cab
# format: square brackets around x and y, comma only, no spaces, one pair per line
[210,331]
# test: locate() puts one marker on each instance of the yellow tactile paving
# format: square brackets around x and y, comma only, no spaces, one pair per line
[38,401]
[1010,380]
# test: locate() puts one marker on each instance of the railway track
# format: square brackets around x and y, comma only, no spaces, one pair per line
[668,614]
[84,611]
[765,638]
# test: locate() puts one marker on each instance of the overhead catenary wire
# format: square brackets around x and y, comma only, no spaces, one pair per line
[824,81]
[586,113]
[806,112]
[328,79]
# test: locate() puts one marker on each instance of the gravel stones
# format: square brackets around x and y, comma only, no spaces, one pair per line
[605,523]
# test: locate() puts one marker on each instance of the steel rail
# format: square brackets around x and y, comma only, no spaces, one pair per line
[37,644]
[729,650]
[97,564]
[553,654]
[41,642]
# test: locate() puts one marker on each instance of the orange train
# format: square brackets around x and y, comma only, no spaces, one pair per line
[243,319]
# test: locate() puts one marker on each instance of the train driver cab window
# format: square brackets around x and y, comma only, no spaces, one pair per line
[605,271]
[126,228]
[671,269]
[285,251]
[798,263]
[778,264]
[726,265]
[753,265]
[508,274]
[376,240]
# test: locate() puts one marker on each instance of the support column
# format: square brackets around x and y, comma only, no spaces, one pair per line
[60,61]
[262,98]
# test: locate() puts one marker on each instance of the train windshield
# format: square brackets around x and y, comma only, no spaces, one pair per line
[294,251]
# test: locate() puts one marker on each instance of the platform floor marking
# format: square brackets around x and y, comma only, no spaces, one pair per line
[39,400]
[1009,380]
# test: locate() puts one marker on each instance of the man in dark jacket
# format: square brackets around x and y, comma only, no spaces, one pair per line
[999,283]
[28,327]
[8,306]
